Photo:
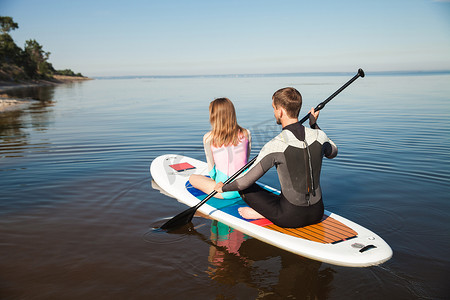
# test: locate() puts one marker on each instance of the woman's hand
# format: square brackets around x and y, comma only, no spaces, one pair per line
[218,187]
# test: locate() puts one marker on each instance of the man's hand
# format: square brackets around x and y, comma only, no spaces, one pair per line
[218,187]
[313,116]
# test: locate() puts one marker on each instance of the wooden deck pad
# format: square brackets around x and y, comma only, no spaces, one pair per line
[327,231]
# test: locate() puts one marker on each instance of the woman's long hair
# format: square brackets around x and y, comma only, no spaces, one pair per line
[225,129]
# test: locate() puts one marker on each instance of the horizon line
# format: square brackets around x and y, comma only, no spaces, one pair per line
[286,74]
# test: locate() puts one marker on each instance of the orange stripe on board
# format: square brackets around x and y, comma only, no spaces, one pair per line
[327,231]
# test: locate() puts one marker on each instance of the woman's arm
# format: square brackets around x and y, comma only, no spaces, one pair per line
[249,146]
[208,152]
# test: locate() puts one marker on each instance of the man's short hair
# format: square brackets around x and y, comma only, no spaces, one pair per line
[290,99]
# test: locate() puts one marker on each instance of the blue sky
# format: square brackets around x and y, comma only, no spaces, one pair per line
[175,37]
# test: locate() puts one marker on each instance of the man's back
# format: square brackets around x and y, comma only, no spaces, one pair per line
[297,154]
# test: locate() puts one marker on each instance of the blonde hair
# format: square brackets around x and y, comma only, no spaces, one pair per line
[225,129]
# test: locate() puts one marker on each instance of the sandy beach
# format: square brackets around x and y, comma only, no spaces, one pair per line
[7,103]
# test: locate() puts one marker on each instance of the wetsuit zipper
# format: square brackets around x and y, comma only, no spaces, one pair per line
[310,176]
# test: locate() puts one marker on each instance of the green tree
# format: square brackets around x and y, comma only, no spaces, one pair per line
[9,52]
[8,24]
[12,58]
[31,62]
[37,55]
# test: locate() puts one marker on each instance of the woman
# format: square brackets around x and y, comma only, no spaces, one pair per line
[227,148]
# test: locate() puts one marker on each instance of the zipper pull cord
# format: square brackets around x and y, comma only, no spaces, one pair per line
[310,169]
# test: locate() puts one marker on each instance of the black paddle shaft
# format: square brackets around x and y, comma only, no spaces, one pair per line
[186,216]
[322,104]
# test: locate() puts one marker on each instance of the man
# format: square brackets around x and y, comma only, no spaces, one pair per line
[297,154]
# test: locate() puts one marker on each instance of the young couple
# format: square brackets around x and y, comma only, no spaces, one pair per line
[296,152]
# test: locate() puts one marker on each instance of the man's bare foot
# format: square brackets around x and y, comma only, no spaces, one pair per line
[249,213]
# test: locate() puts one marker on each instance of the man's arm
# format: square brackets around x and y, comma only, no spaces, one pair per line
[243,182]
[329,147]
[266,159]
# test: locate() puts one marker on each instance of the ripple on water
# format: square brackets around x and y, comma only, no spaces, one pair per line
[187,259]
[156,235]
[390,222]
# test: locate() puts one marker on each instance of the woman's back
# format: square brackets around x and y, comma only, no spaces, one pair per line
[229,159]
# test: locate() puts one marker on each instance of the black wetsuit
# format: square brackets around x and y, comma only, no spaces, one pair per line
[297,153]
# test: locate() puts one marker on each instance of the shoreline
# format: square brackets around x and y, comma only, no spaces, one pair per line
[57,79]
[10,103]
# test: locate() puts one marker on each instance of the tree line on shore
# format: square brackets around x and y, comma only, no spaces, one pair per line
[28,63]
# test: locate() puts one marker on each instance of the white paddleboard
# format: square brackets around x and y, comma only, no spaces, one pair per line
[334,240]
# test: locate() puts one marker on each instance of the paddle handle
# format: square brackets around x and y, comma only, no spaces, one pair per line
[323,103]
[318,107]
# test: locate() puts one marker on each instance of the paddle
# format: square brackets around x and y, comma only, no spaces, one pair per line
[186,216]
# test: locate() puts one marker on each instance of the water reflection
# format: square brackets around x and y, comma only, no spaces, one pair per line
[14,124]
[236,258]
[40,93]
[11,125]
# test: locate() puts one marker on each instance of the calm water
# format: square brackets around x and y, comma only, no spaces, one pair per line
[77,205]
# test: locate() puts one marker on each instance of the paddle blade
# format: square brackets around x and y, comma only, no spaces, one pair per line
[181,219]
